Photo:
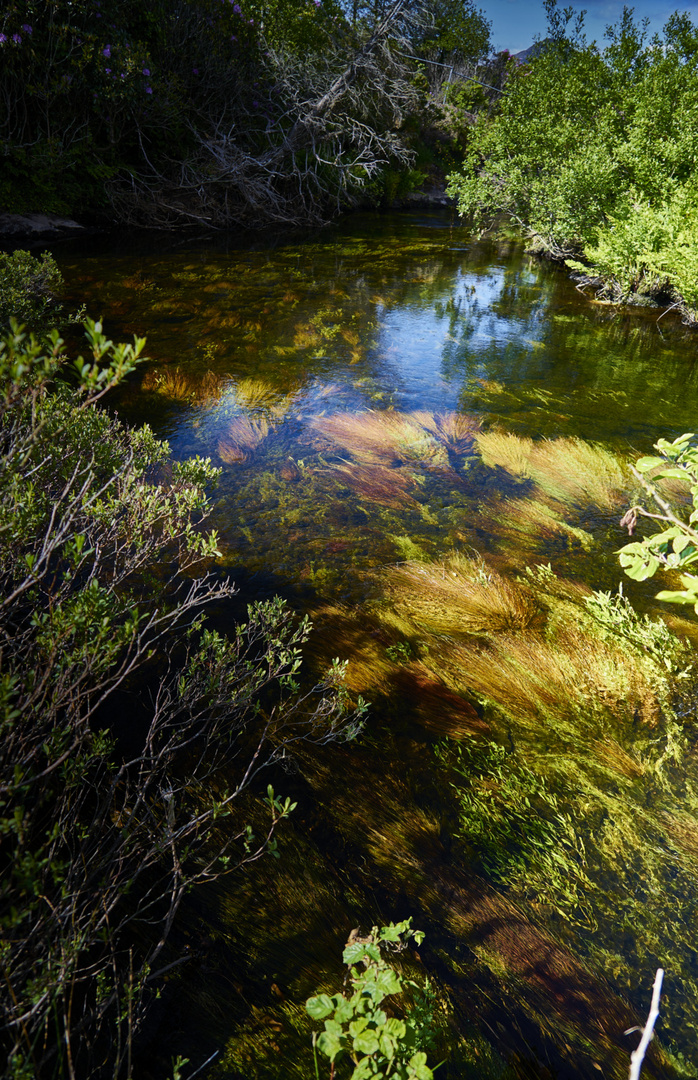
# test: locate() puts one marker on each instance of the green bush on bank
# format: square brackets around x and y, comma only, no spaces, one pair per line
[129,732]
[593,152]
[29,289]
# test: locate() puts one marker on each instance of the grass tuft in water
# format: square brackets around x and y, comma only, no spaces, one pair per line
[242,438]
[570,471]
[461,595]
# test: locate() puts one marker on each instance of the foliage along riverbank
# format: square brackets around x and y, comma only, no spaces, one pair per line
[592,152]
[131,734]
[209,113]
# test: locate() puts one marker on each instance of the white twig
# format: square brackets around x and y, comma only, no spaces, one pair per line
[637,1056]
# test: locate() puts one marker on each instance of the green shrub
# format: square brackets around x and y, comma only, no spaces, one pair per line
[592,151]
[107,819]
[674,547]
[29,289]
[356,1025]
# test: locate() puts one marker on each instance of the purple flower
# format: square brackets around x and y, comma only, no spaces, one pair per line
[108,71]
[195,71]
[17,39]
[232,37]
[251,22]
[107,51]
[148,89]
[3,39]
[237,9]
[27,28]
[146,71]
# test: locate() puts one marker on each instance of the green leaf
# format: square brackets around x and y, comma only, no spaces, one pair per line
[389,982]
[675,597]
[329,1044]
[681,542]
[387,1045]
[638,565]
[319,1007]
[344,1010]
[365,1069]
[418,1067]
[353,954]
[366,1043]
[675,473]
[395,1027]
[394,931]
[644,464]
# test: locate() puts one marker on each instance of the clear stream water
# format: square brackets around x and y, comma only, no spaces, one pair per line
[544,927]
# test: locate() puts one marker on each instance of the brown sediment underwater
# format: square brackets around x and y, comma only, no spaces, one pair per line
[432,705]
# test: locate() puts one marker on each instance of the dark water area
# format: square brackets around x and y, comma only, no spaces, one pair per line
[424,441]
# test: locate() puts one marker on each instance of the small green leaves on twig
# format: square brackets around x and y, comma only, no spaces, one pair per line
[674,547]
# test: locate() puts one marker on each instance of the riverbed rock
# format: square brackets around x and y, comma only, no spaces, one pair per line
[36,226]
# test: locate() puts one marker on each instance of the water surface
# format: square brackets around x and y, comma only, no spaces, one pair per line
[360,388]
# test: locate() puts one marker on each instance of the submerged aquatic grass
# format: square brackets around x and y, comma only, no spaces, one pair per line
[385,438]
[242,438]
[580,705]
[180,385]
[396,438]
[343,410]
[570,471]
[461,595]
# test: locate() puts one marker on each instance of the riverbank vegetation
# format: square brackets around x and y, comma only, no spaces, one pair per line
[30,290]
[591,151]
[218,113]
[132,734]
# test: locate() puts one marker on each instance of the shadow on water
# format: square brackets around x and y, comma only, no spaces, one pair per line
[424,442]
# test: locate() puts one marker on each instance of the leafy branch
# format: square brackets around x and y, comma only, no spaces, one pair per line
[676,547]
[357,1026]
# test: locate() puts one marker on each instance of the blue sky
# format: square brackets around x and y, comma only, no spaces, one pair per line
[515,23]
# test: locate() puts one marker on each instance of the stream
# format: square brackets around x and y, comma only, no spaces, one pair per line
[424,441]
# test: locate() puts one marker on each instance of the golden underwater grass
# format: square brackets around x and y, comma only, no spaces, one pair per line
[175,383]
[242,438]
[396,438]
[460,595]
[262,396]
[568,470]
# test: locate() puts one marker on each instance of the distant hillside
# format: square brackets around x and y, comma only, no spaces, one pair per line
[532,50]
